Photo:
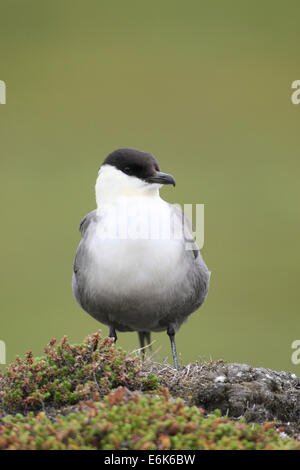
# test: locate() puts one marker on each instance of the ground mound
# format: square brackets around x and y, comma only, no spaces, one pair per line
[96,396]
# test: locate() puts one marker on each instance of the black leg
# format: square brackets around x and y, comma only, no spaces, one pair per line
[141,338]
[144,335]
[112,333]
[171,333]
[142,343]
[148,339]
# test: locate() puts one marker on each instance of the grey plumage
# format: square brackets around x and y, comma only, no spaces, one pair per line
[131,285]
[139,314]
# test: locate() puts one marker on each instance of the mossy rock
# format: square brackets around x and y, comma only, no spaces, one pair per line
[70,373]
[94,395]
[137,421]
[257,394]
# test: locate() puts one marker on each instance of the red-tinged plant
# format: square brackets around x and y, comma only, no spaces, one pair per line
[70,373]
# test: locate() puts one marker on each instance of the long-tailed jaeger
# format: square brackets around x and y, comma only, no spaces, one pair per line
[132,269]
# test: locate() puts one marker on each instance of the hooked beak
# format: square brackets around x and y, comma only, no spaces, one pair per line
[161,178]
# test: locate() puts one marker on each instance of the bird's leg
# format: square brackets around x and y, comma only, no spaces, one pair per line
[142,336]
[148,339]
[112,333]
[171,333]
[142,343]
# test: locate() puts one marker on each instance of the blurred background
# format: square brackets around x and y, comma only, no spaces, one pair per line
[205,87]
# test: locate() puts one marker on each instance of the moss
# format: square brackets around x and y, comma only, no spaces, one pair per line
[96,396]
[70,373]
[132,420]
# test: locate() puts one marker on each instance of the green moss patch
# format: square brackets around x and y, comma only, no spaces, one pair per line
[132,420]
[96,396]
[70,373]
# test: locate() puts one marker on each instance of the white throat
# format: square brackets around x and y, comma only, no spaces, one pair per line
[113,184]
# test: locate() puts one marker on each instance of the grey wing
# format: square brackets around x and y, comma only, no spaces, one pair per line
[199,275]
[87,219]
[82,258]
[90,218]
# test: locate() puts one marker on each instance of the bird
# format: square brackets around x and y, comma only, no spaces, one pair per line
[130,271]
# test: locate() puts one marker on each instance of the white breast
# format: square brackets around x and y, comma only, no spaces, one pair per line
[135,247]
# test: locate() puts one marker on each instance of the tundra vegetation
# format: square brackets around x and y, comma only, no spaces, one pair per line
[94,395]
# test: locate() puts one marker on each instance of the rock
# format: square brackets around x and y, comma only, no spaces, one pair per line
[257,394]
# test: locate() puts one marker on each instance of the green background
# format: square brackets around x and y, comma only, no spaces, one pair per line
[204,86]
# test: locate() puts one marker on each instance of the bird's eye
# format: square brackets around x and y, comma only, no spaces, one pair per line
[132,170]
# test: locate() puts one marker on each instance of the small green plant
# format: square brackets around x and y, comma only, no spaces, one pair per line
[135,420]
[96,396]
[70,373]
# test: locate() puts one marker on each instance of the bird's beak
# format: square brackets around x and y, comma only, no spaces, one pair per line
[161,178]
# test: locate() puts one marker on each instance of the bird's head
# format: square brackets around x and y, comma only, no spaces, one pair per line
[128,172]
